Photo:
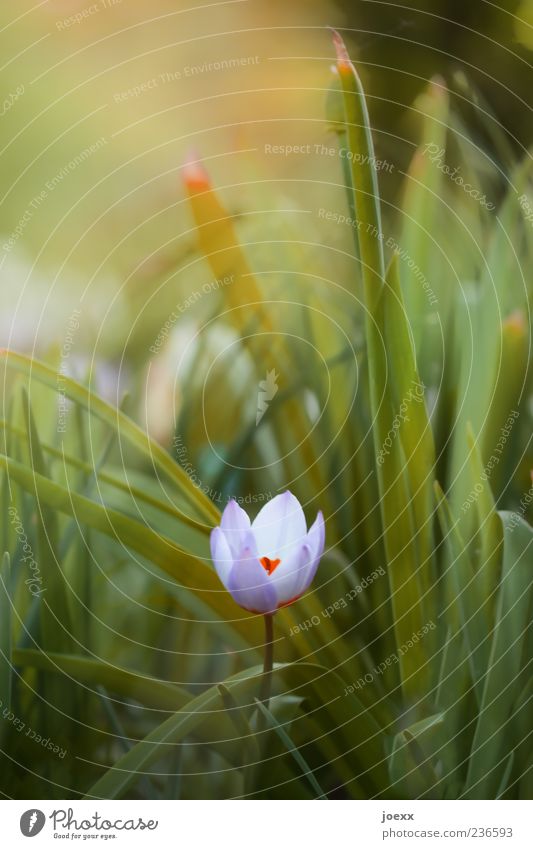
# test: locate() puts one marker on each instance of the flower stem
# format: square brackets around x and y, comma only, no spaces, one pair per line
[266,681]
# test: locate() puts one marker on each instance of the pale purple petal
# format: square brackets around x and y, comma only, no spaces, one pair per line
[290,577]
[221,555]
[250,585]
[309,573]
[280,526]
[316,537]
[235,523]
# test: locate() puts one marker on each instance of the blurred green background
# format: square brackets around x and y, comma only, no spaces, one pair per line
[124,204]
[101,243]
[117,222]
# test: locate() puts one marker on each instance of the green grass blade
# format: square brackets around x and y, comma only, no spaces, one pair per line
[189,571]
[99,475]
[292,749]
[488,536]
[453,698]
[508,768]
[464,609]
[133,765]
[117,420]
[415,432]
[151,692]
[364,175]
[412,759]
[5,634]
[395,499]
[493,737]
[56,630]
[303,678]
[423,208]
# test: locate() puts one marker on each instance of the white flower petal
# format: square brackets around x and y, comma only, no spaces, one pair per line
[235,523]
[280,526]
[294,574]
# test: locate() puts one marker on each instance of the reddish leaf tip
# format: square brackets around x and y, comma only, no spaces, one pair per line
[437,85]
[343,59]
[194,174]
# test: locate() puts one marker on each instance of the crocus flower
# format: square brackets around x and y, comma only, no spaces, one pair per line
[271,562]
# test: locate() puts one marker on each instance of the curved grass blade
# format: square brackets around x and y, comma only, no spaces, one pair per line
[117,420]
[493,739]
[421,219]
[154,694]
[415,432]
[342,712]
[364,176]
[464,608]
[189,571]
[219,243]
[101,476]
[292,749]
[129,768]
[395,498]
[488,536]
[151,692]
[411,760]
[147,788]
[506,776]
[5,634]
[57,635]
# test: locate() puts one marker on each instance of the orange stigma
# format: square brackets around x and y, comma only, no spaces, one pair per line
[268,564]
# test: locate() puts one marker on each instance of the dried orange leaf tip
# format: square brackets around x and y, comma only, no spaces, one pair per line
[194,174]
[343,59]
